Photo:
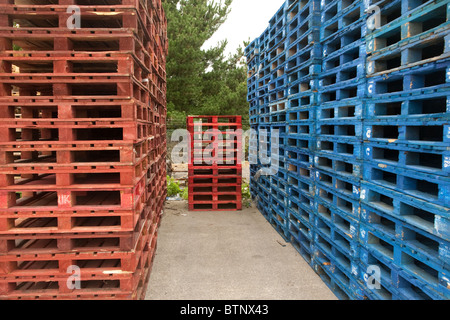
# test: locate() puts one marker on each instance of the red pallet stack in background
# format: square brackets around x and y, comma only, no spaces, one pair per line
[82,147]
[215,168]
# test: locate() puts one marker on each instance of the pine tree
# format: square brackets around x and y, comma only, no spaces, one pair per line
[202,81]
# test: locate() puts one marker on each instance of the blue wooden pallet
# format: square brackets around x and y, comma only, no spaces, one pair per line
[305,52]
[278,118]
[432,189]
[419,80]
[302,204]
[277,52]
[302,9]
[302,209]
[254,105]
[302,245]
[251,47]
[422,214]
[342,148]
[418,273]
[424,246]
[348,187]
[418,50]
[300,224]
[338,268]
[424,108]
[300,129]
[333,8]
[344,91]
[344,24]
[347,130]
[422,136]
[299,229]
[302,235]
[301,184]
[263,74]
[305,61]
[331,201]
[281,226]
[298,158]
[301,143]
[389,286]
[303,87]
[350,109]
[294,115]
[337,54]
[301,189]
[400,30]
[277,36]
[350,72]
[277,82]
[348,244]
[322,269]
[282,187]
[425,162]
[340,129]
[281,175]
[280,15]
[303,101]
[278,66]
[301,38]
[335,164]
[254,119]
[263,37]
[278,95]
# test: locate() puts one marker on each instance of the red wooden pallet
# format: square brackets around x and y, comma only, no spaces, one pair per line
[122,286]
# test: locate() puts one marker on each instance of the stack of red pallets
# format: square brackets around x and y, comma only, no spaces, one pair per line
[82,146]
[215,167]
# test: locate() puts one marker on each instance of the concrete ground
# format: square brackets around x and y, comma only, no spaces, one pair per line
[228,256]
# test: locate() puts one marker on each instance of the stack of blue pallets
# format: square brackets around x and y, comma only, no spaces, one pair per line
[405,191]
[351,104]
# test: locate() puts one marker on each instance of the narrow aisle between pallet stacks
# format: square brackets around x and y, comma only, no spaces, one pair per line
[228,255]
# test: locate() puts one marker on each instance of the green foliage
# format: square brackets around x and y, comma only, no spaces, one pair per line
[246,195]
[185,194]
[173,187]
[202,81]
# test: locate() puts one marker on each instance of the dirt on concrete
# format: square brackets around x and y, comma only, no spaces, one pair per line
[228,256]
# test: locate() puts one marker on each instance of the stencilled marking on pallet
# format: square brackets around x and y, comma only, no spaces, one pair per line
[447,162]
[364,214]
[370,87]
[355,190]
[370,67]
[354,270]
[370,46]
[442,225]
[64,199]
[363,194]
[353,231]
[446,281]
[363,235]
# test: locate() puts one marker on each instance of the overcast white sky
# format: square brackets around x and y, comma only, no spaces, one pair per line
[247,19]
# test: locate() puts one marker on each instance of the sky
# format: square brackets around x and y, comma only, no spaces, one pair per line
[247,19]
